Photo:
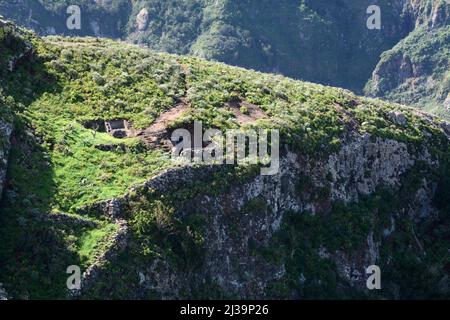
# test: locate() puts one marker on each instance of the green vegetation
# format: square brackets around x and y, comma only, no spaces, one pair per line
[301,39]
[306,244]
[95,241]
[416,71]
[56,167]
[67,170]
[257,205]
[324,41]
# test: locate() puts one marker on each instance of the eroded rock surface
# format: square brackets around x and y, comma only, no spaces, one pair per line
[5,134]
[251,215]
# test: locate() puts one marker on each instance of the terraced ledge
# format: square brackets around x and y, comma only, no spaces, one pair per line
[161,183]
[118,244]
[113,210]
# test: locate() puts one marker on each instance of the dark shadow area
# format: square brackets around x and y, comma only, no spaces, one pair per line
[34,251]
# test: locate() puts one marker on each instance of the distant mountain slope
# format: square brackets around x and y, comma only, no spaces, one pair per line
[321,41]
[417,70]
[361,182]
[47,17]
[14,49]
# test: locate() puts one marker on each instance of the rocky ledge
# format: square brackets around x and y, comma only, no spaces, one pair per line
[252,213]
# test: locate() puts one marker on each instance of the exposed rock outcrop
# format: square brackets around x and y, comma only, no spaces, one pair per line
[142,20]
[416,69]
[433,14]
[14,37]
[5,134]
[250,214]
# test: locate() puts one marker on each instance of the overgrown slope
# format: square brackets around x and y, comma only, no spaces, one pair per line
[416,71]
[361,182]
[319,41]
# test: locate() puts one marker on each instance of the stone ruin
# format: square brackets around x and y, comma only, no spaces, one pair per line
[118,128]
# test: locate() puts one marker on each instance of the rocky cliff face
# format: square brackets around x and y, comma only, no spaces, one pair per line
[415,71]
[272,237]
[5,133]
[428,13]
[15,47]
[5,129]
[361,182]
[3,295]
[14,50]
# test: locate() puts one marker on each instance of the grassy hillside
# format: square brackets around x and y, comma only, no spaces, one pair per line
[321,41]
[58,165]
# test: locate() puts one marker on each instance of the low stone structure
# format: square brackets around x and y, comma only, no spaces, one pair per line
[118,128]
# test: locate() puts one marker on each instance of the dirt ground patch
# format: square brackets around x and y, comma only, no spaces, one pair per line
[157,135]
[245,112]
[164,119]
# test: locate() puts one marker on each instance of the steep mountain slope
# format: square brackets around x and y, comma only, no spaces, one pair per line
[12,50]
[100,18]
[5,133]
[361,182]
[417,70]
[320,41]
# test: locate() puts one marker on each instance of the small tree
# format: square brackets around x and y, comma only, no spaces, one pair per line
[95,130]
